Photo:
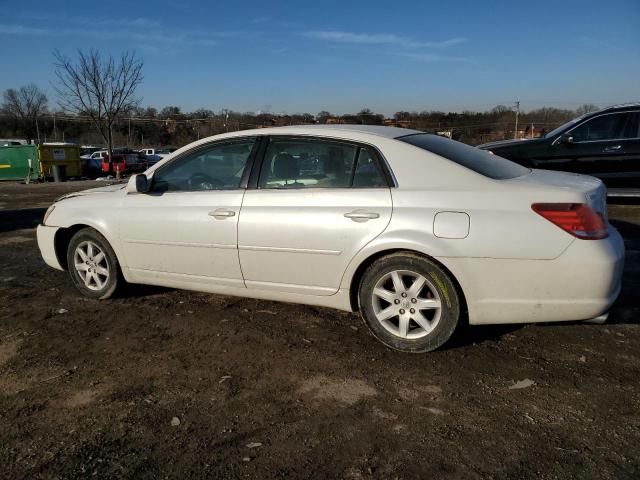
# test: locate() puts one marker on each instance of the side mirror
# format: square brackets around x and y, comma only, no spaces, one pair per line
[567,138]
[138,184]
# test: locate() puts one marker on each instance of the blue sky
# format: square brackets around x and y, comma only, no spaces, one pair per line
[307,56]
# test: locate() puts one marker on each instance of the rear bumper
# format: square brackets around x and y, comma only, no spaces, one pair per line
[580,284]
[46,242]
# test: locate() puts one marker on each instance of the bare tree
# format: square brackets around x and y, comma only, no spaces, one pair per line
[26,104]
[101,88]
[323,116]
[586,108]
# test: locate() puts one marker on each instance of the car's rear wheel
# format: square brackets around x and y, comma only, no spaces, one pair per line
[93,265]
[409,302]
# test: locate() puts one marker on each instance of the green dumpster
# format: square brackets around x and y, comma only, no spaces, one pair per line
[17,162]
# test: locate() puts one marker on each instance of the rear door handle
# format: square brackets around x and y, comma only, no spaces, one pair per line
[361,215]
[221,214]
[613,148]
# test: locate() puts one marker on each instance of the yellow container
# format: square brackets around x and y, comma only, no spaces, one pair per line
[66,154]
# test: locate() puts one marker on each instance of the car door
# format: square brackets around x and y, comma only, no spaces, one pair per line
[185,228]
[317,203]
[598,146]
[631,176]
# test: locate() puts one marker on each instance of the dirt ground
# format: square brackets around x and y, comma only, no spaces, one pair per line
[171,384]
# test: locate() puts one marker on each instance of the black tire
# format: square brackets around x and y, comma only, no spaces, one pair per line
[442,323]
[114,278]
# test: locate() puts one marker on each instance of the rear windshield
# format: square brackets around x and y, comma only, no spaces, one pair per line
[479,161]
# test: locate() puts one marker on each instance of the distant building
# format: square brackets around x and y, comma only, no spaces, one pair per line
[392,122]
[5,142]
[334,121]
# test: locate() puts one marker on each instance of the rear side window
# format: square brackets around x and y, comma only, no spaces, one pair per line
[310,163]
[480,161]
[367,172]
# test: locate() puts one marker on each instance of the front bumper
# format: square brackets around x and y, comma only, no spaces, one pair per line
[46,242]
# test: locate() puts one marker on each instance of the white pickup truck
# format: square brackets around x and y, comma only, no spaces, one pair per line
[154,155]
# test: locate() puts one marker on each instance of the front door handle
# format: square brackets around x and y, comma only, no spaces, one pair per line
[613,149]
[361,215]
[221,214]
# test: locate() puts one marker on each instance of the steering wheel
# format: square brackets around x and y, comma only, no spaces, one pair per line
[202,181]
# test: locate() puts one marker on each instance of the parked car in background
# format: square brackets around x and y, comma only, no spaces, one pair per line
[118,165]
[96,155]
[91,162]
[415,231]
[605,144]
[87,150]
[153,155]
[161,152]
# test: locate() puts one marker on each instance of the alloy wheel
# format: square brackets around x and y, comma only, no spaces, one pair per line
[91,264]
[406,304]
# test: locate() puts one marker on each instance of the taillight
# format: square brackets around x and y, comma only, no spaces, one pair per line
[578,219]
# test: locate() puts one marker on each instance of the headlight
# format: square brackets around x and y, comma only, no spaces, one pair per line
[46,215]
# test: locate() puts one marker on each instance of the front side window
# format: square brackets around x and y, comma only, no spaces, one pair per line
[604,127]
[307,163]
[217,167]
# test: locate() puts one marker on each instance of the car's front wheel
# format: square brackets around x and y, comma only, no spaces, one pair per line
[409,302]
[93,265]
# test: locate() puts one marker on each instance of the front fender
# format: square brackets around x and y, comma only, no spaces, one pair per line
[106,225]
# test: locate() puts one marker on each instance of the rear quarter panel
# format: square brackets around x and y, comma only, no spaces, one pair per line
[502,224]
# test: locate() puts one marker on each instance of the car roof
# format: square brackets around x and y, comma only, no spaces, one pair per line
[351,131]
[623,107]
[364,133]
[379,130]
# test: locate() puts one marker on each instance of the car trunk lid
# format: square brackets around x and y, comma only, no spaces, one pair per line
[583,188]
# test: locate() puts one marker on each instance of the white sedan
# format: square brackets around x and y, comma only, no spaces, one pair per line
[416,232]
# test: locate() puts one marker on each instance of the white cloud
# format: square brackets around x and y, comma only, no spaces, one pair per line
[432,57]
[128,29]
[22,30]
[378,39]
[138,22]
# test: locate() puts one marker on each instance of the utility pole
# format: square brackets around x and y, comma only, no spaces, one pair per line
[517,104]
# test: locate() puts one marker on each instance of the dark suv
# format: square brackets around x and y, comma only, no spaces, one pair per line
[605,144]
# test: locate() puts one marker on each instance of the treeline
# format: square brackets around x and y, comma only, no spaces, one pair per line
[170,126]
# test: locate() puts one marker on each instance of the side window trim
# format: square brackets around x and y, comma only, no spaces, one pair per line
[257,139]
[636,112]
[354,166]
[255,160]
[381,162]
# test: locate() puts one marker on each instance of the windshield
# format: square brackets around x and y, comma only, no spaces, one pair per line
[480,161]
[564,126]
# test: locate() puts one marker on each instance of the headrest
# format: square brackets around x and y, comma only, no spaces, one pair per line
[334,165]
[285,167]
